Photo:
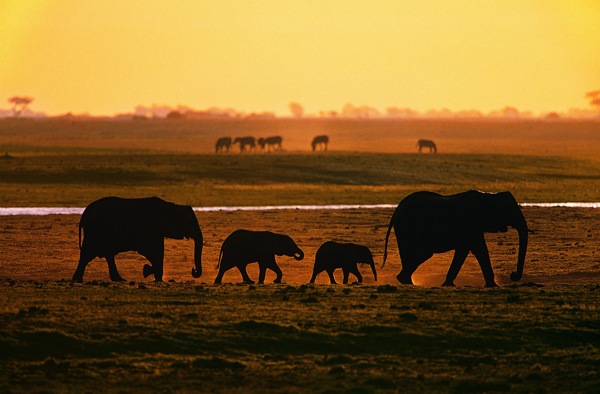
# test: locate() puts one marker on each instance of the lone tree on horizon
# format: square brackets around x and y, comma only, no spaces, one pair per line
[20,104]
[594,97]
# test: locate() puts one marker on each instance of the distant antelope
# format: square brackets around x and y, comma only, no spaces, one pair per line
[223,144]
[243,141]
[322,140]
[270,142]
[427,144]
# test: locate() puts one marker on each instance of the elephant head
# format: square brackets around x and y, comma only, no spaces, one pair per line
[180,222]
[364,255]
[499,212]
[284,245]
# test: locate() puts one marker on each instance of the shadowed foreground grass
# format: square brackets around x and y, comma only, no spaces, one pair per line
[170,337]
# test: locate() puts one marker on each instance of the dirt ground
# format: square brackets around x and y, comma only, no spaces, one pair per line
[565,248]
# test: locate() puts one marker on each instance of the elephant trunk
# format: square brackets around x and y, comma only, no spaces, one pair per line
[299,255]
[523,239]
[197,270]
[374,270]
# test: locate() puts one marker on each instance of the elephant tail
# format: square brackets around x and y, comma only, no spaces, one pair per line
[220,257]
[387,235]
[80,227]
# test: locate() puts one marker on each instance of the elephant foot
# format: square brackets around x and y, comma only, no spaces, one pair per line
[118,279]
[249,282]
[77,278]
[448,284]
[277,280]
[491,284]
[404,280]
[148,270]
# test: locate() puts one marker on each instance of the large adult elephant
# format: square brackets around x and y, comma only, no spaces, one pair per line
[426,223]
[333,255]
[113,225]
[243,247]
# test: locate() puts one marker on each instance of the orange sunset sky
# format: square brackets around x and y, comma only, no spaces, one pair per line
[107,56]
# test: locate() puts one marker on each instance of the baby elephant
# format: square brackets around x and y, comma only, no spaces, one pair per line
[332,255]
[243,247]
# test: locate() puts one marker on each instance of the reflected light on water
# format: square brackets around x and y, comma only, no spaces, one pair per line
[33,211]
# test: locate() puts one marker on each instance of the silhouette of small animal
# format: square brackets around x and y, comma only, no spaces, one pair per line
[245,141]
[333,255]
[243,247]
[320,140]
[427,144]
[223,144]
[271,142]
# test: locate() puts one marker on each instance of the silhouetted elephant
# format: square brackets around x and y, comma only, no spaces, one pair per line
[270,142]
[243,247]
[426,223]
[332,255]
[427,144]
[113,225]
[223,144]
[320,140]
[245,141]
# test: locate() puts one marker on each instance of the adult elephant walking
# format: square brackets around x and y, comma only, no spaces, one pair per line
[243,247]
[426,223]
[113,225]
[250,142]
[333,255]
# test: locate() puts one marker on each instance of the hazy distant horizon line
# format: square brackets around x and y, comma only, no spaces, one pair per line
[297,111]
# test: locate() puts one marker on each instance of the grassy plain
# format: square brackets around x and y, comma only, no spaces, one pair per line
[183,335]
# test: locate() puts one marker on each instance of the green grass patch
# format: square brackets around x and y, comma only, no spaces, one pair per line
[66,178]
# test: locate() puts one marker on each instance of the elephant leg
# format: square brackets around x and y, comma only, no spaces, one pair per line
[346,276]
[275,268]
[262,272]
[331,277]
[480,251]
[314,275]
[219,277]
[84,259]
[356,273]
[245,277]
[156,255]
[270,263]
[410,262]
[112,269]
[460,254]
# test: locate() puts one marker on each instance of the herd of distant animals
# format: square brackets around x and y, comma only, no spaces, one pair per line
[274,143]
[425,223]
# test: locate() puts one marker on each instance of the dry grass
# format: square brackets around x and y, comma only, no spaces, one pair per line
[183,335]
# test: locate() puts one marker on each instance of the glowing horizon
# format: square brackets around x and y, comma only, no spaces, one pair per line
[107,57]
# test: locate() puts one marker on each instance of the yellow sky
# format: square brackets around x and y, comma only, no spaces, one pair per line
[107,56]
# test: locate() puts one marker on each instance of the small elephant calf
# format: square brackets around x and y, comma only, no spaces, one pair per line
[243,247]
[332,255]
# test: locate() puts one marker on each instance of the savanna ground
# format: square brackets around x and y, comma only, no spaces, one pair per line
[539,335]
